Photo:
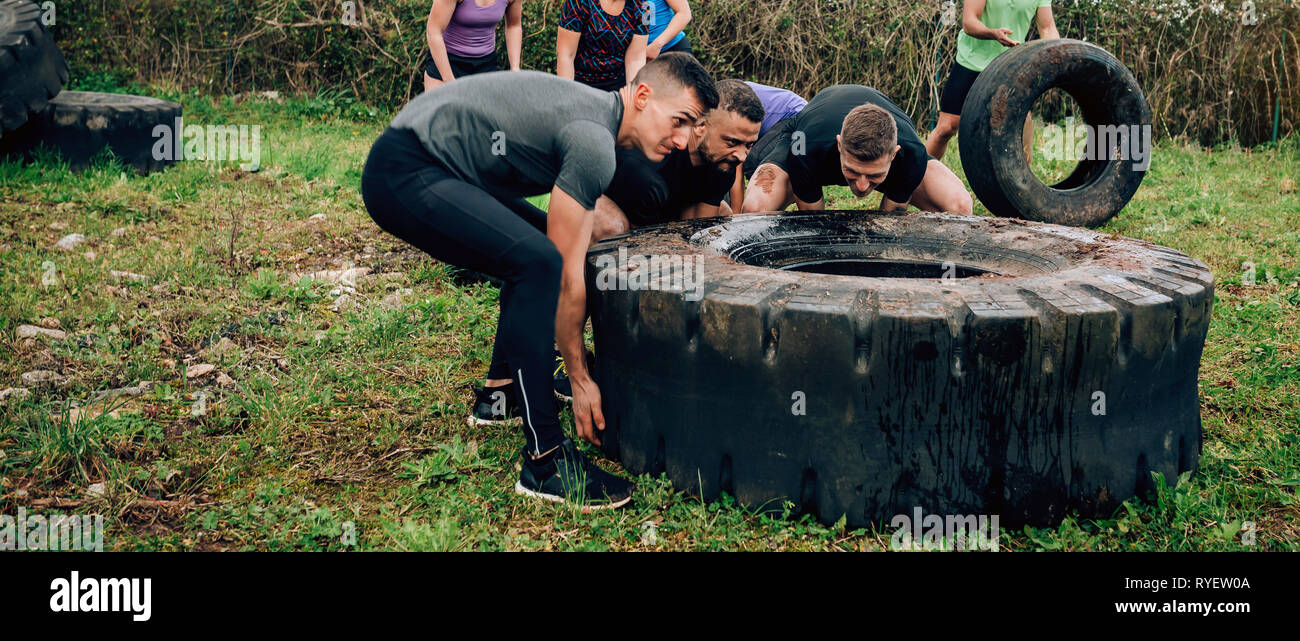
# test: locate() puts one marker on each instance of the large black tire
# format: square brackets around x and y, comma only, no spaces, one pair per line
[79,124]
[994,113]
[32,69]
[976,394]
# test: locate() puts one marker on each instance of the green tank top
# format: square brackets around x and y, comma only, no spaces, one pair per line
[1016,15]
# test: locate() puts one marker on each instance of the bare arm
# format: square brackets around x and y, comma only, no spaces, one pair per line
[1046,24]
[566,47]
[568,225]
[738,188]
[889,205]
[635,56]
[814,206]
[971,10]
[514,33]
[701,210]
[439,18]
[681,18]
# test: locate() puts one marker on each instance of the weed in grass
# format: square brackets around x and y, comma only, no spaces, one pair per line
[448,463]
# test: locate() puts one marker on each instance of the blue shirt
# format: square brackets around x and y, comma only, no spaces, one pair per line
[658,20]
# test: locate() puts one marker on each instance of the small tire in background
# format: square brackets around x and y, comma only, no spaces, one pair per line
[32,69]
[994,113]
[79,124]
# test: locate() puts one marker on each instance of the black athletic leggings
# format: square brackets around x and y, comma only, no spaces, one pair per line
[412,197]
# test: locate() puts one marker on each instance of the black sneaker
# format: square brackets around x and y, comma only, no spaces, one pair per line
[569,477]
[493,405]
[564,389]
[465,277]
[560,378]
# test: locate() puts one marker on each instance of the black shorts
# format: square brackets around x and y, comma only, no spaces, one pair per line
[773,147]
[682,46]
[612,84]
[460,65]
[954,91]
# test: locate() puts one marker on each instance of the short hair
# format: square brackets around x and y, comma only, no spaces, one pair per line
[681,70]
[739,98]
[868,133]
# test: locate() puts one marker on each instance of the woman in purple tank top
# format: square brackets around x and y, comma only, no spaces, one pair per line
[462,37]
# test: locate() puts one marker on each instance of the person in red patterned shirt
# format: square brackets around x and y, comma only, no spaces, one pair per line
[601,43]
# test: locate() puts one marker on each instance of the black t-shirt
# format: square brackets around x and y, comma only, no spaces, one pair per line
[689,184]
[821,121]
[657,192]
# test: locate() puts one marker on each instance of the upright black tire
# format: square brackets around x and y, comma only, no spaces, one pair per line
[32,69]
[79,124]
[1112,105]
[1042,369]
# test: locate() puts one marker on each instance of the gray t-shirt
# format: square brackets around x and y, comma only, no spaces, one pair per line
[518,133]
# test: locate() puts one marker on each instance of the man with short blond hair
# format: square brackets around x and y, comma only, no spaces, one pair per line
[869,132]
[844,137]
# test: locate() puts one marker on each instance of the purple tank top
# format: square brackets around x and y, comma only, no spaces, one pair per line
[472,32]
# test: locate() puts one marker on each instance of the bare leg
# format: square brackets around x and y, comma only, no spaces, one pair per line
[769,190]
[1029,138]
[430,83]
[937,143]
[942,190]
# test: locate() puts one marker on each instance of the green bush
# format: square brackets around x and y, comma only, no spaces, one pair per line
[1208,76]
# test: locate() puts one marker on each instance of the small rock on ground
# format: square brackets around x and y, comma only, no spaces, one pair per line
[134,390]
[347,277]
[40,377]
[199,370]
[16,393]
[70,242]
[128,276]
[395,299]
[32,331]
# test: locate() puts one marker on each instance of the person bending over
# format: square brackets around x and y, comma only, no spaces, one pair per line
[778,105]
[449,176]
[692,182]
[849,135]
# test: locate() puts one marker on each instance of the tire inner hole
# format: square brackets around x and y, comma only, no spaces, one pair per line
[883,268]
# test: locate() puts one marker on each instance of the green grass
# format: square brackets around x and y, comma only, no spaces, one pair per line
[351,421]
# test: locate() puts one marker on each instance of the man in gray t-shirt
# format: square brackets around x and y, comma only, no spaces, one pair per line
[504,132]
[449,176]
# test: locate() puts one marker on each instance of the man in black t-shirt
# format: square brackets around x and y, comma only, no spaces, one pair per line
[849,135]
[690,182]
